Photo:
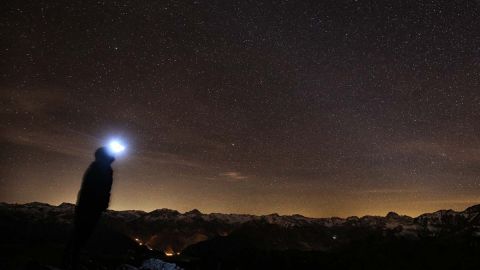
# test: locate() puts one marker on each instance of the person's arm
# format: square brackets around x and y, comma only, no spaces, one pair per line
[86,193]
[106,188]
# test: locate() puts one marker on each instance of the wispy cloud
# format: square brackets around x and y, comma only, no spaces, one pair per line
[444,150]
[386,191]
[467,201]
[233,176]
[67,143]
[166,158]
[39,101]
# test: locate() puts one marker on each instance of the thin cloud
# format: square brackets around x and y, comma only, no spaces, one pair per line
[387,191]
[233,176]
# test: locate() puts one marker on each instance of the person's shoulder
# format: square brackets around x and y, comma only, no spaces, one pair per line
[97,167]
[94,165]
[102,167]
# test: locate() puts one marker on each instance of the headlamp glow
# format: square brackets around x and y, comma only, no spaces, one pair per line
[116,146]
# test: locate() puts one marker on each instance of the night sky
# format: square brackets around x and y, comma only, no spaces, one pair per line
[328,108]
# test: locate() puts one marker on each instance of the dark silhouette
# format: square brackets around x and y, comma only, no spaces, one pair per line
[92,201]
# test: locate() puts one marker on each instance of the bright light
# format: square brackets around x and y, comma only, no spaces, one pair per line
[169,252]
[116,147]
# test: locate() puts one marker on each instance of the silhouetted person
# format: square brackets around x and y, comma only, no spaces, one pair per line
[92,201]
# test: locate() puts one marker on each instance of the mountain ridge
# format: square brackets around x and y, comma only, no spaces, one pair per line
[193,212]
[172,231]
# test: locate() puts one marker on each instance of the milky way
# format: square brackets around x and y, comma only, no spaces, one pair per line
[329,108]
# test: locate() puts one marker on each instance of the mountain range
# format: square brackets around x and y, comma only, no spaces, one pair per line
[210,238]
[172,231]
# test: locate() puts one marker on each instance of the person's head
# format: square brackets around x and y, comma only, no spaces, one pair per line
[104,156]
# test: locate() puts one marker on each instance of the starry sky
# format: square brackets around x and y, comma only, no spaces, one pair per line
[321,108]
